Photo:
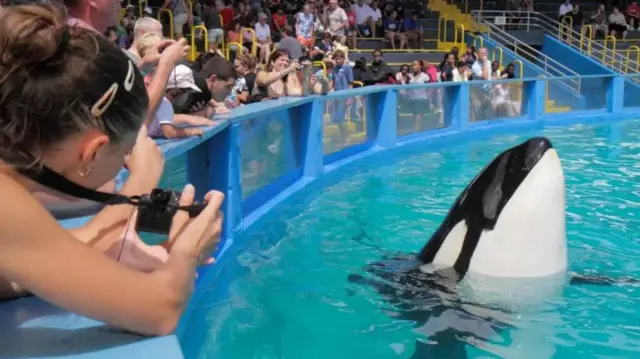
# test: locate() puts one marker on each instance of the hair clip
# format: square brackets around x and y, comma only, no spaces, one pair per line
[130,78]
[105,101]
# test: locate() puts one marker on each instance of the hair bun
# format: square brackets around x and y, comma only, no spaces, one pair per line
[32,34]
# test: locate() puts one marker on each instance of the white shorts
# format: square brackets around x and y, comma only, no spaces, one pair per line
[179,21]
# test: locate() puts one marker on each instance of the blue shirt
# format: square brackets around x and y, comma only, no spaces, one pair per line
[342,77]
[392,25]
[410,24]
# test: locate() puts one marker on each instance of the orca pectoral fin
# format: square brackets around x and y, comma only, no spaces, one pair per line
[602,280]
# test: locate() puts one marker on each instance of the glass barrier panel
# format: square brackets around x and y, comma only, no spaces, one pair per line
[497,100]
[269,149]
[631,92]
[421,109]
[174,175]
[344,123]
[564,95]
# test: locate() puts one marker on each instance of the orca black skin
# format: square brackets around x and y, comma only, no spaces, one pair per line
[418,296]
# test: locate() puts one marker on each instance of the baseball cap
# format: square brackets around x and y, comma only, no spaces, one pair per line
[148,10]
[182,78]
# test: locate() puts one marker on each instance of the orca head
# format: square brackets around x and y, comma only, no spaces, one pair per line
[509,221]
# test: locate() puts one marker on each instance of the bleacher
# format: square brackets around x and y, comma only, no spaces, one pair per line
[456,23]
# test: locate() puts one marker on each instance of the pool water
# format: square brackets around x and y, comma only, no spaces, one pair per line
[289,296]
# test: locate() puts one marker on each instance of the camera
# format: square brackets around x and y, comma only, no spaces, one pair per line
[157,209]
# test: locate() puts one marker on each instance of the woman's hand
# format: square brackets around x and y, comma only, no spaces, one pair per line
[293,66]
[172,53]
[146,160]
[197,237]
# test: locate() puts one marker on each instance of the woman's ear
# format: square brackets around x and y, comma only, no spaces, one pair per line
[94,148]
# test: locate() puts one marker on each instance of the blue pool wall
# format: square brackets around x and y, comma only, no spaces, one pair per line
[559,91]
[31,328]
[591,88]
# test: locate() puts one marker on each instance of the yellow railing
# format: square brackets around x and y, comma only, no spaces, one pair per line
[460,43]
[628,58]
[170,13]
[254,42]
[228,49]
[516,61]
[589,38]
[359,83]
[222,26]
[193,40]
[519,87]
[613,50]
[481,42]
[493,54]
[323,66]
[566,27]
[141,5]
[442,28]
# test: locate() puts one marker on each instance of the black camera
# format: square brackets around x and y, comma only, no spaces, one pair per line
[157,209]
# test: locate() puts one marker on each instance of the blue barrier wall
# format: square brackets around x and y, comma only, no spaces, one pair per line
[591,88]
[562,92]
[260,155]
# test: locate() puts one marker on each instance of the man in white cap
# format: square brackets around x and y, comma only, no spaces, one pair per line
[182,78]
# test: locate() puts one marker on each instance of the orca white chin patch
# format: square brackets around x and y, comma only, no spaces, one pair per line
[529,238]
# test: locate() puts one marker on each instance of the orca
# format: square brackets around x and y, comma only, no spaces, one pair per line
[506,228]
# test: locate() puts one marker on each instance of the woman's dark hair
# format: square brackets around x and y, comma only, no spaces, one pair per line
[404,67]
[461,64]
[274,56]
[56,81]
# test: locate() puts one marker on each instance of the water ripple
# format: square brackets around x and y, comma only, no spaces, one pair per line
[289,297]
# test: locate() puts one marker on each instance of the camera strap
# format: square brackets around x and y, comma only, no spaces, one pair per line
[51,179]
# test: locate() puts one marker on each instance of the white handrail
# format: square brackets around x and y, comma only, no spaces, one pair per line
[550,65]
[532,20]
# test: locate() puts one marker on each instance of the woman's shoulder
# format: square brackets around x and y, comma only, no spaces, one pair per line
[22,202]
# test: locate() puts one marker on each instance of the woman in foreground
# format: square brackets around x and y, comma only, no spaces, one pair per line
[72,101]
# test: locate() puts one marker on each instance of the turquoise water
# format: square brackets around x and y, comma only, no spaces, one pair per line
[289,296]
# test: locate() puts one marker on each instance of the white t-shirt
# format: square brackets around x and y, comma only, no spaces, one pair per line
[565,9]
[476,70]
[262,31]
[457,77]
[377,14]
[421,78]
[362,12]
[336,18]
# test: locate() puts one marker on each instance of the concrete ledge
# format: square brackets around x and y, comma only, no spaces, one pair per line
[33,328]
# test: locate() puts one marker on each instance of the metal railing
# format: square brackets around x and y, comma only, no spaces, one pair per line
[545,64]
[601,51]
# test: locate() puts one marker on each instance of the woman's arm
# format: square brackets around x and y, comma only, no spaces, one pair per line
[169,131]
[191,120]
[164,5]
[47,261]
[264,78]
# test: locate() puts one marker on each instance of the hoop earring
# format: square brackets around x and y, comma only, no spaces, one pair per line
[84,173]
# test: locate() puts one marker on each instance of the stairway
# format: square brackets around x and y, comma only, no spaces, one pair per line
[451,12]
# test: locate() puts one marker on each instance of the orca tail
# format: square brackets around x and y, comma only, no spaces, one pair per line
[445,344]
[602,280]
